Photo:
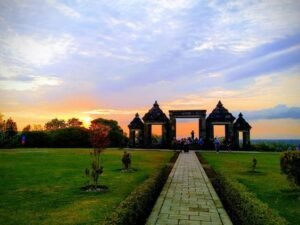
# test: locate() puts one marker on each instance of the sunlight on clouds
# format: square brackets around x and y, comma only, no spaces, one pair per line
[34,50]
[34,83]
[110,112]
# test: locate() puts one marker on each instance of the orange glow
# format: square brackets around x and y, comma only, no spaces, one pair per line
[157,130]
[184,129]
[86,121]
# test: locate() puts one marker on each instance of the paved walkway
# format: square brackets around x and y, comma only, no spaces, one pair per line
[188,197]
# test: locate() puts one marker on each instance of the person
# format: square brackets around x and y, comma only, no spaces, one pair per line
[192,134]
[217,144]
[181,144]
[201,143]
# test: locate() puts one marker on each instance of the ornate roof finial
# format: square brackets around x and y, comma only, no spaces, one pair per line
[240,115]
[137,115]
[219,104]
[155,104]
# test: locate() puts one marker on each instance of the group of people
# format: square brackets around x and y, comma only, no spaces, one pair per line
[184,144]
[217,144]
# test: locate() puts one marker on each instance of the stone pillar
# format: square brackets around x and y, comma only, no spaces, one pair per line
[229,131]
[209,131]
[202,128]
[236,139]
[246,139]
[164,135]
[172,128]
[147,135]
[132,138]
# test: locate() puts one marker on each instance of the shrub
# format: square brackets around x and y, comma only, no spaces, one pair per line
[69,137]
[290,165]
[135,209]
[254,163]
[35,139]
[126,160]
[242,206]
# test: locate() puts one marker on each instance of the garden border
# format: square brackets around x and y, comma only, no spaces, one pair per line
[242,206]
[136,208]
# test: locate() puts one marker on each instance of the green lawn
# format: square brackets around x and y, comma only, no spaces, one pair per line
[267,183]
[42,186]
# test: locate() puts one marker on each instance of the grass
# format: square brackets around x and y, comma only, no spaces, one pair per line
[42,186]
[267,182]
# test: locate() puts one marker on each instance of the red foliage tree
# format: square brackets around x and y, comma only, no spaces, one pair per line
[99,140]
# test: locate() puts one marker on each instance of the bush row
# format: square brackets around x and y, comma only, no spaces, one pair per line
[135,209]
[243,207]
[290,165]
[272,146]
[73,137]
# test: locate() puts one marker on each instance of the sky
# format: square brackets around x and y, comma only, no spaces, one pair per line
[111,59]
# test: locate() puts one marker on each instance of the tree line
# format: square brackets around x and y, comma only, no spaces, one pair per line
[57,133]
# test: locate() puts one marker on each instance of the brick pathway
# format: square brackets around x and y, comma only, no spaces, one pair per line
[188,197]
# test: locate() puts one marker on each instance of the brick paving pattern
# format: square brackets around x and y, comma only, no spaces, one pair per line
[188,197]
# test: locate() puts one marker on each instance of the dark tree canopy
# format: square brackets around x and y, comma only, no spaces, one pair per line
[10,128]
[55,124]
[74,122]
[27,128]
[116,134]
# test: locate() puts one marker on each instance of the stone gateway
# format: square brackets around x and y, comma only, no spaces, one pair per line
[140,131]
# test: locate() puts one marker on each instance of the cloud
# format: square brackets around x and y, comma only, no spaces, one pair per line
[278,112]
[110,112]
[35,50]
[240,26]
[29,83]
[64,9]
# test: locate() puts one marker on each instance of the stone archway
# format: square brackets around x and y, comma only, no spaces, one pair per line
[198,114]
[220,116]
[241,125]
[155,116]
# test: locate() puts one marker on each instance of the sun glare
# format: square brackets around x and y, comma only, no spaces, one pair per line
[86,121]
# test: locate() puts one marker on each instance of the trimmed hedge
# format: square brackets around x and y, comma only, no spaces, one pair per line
[290,165]
[243,207]
[135,209]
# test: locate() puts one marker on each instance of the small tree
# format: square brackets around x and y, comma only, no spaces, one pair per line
[99,140]
[254,163]
[126,160]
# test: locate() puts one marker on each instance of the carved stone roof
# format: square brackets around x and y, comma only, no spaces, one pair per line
[136,123]
[241,123]
[220,114]
[155,115]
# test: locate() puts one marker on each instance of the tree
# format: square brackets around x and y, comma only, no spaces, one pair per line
[55,124]
[37,127]
[99,140]
[10,128]
[74,122]
[2,123]
[116,135]
[27,128]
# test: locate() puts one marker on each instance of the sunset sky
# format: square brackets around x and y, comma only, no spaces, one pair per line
[111,59]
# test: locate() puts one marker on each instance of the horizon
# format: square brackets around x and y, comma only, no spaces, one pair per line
[87,59]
